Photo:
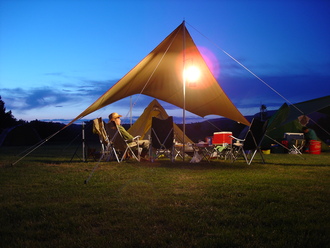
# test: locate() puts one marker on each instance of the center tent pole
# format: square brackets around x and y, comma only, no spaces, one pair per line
[184,90]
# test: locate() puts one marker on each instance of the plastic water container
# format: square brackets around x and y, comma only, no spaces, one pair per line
[315,147]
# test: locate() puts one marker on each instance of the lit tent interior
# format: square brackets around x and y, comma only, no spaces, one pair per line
[142,126]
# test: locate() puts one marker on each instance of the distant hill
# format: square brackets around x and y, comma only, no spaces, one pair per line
[33,132]
[36,131]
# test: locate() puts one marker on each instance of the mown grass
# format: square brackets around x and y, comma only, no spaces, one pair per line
[45,203]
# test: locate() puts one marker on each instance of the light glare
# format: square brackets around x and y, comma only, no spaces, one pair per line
[192,73]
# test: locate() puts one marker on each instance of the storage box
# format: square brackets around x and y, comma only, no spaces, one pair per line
[290,136]
[222,138]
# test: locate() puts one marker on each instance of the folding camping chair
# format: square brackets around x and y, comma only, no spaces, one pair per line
[297,146]
[202,151]
[106,145]
[222,151]
[162,139]
[250,145]
[122,148]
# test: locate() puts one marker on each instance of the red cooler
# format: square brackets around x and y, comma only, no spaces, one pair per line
[222,138]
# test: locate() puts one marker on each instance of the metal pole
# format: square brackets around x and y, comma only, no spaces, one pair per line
[83,142]
[130,111]
[184,91]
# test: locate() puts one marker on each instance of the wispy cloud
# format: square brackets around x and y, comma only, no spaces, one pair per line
[57,95]
[245,92]
[274,90]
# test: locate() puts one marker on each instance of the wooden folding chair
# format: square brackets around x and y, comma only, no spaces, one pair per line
[106,145]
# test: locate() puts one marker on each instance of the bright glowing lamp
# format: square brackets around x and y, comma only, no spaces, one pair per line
[192,73]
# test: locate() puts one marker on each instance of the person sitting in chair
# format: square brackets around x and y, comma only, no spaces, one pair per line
[309,135]
[114,119]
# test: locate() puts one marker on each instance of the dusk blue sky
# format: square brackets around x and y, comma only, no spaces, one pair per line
[58,57]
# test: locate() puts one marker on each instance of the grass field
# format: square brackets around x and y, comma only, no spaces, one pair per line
[45,203]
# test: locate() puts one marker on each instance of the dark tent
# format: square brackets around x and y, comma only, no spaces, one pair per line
[289,118]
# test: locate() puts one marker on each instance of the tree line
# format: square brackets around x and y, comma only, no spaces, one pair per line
[7,118]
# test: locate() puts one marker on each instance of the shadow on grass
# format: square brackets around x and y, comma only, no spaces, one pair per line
[311,160]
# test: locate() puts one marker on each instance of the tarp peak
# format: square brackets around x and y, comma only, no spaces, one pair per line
[159,75]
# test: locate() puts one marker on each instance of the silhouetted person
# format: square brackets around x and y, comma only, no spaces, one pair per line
[309,135]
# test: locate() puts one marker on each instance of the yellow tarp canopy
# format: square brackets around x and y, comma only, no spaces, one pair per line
[159,75]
